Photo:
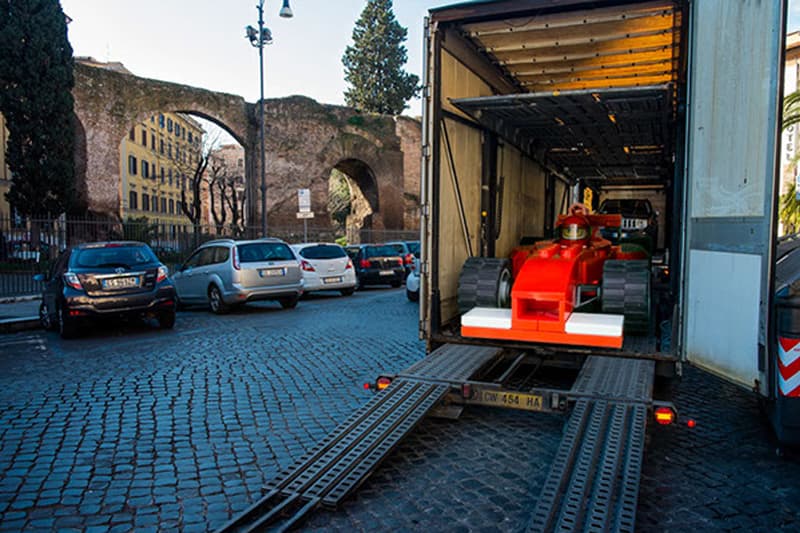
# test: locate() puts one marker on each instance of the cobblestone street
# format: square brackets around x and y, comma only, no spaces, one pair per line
[131,427]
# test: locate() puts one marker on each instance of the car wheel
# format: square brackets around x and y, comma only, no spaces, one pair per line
[44,317]
[359,285]
[289,302]
[396,284]
[348,292]
[166,319]
[413,296]
[215,301]
[66,326]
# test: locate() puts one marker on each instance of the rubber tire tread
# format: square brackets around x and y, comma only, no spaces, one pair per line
[479,281]
[626,291]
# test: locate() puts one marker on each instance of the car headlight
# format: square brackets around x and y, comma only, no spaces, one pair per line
[641,223]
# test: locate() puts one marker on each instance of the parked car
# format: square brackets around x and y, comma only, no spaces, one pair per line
[408,250]
[225,272]
[639,222]
[412,282]
[105,279]
[326,267]
[377,264]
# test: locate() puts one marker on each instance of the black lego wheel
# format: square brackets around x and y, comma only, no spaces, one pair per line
[626,291]
[484,282]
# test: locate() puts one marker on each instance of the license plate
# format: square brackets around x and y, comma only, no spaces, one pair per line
[387,272]
[332,280]
[268,272]
[121,283]
[514,400]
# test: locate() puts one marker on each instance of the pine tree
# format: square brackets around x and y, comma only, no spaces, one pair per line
[374,64]
[36,100]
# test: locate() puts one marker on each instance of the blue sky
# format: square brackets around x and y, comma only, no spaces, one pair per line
[202,43]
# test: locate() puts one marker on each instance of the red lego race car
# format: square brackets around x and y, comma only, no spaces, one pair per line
[576,289]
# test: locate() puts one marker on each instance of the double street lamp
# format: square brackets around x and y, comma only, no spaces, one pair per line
[258,38]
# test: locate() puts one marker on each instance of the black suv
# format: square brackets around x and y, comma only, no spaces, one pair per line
[377,264]
[639,222]
[106,279]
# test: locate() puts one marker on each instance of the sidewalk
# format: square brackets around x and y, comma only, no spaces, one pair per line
[19,313]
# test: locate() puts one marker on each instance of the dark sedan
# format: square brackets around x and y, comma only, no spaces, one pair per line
[106,279]
[377,264]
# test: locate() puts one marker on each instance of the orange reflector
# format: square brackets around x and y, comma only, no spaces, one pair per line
[691,423]
[466,390]
[367,386]
[665,416]
[383,382]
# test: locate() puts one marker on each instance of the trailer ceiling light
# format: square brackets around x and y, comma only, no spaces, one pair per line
[665,416]
[383,382]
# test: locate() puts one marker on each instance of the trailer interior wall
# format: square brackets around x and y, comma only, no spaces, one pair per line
[735,79]
[523,199]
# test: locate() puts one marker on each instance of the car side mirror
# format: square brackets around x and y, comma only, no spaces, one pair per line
[39,277]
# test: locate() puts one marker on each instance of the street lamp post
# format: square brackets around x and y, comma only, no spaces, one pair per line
[258,38]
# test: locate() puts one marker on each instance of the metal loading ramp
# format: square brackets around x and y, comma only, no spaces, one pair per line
[593,484]
[340,462]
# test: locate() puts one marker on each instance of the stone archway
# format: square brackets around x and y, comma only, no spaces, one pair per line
[364,195]
[305,140]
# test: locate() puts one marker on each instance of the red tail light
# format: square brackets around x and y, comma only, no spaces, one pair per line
[72,280]
[409,259]
[364,263]
[308,267]
[349,264]
[400,262]
[664,416]
[236,264]
[162,274]
[382,383]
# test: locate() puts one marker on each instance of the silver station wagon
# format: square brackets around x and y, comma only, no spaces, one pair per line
[225,273]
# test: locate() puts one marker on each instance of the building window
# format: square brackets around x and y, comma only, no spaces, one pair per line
[131,165]
[190,136]
[152,141]
[153,119]
[177,152]
[177,130]
[155,204]
[171,206]
[145,169]
[163,205]
[132,135]
[133,200]
[169,150]
[161,119]
[169,125]
[145,202]
[183,181]
[144,138]
[169,173]
[162,174]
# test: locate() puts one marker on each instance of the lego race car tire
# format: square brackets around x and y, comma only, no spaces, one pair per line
[484,282]
[626,291]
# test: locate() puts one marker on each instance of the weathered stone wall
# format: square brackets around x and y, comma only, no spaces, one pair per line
[305,140]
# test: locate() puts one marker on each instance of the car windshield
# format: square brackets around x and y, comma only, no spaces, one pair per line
[264,251]
[379,251]
[322,251]
[413,247]
[125,256]
[627,208]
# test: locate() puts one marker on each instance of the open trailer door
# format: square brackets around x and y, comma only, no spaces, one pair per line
[734,103]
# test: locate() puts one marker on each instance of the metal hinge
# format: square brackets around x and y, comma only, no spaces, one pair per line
[423,267]
[426,151]
[423,333]
[425,209]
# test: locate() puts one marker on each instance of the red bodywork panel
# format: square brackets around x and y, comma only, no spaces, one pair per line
[546,275]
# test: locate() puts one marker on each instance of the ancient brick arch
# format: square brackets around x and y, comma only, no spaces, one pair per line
[305,140]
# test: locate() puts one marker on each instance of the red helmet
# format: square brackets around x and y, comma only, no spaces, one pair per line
[574,228]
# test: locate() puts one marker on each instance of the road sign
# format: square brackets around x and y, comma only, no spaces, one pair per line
[305,214]
[304,200]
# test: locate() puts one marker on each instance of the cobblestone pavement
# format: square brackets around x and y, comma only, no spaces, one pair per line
[130,427]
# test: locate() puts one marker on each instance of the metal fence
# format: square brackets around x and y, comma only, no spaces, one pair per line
[29,246]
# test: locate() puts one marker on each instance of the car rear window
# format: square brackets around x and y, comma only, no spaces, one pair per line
[322,251]
[628,208]
[380,251]
[413,247]
[264,251]
[113,256]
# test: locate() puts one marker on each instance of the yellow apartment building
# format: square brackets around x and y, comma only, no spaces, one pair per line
[157,161]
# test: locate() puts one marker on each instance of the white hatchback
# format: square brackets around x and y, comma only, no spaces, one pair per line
[326,267]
